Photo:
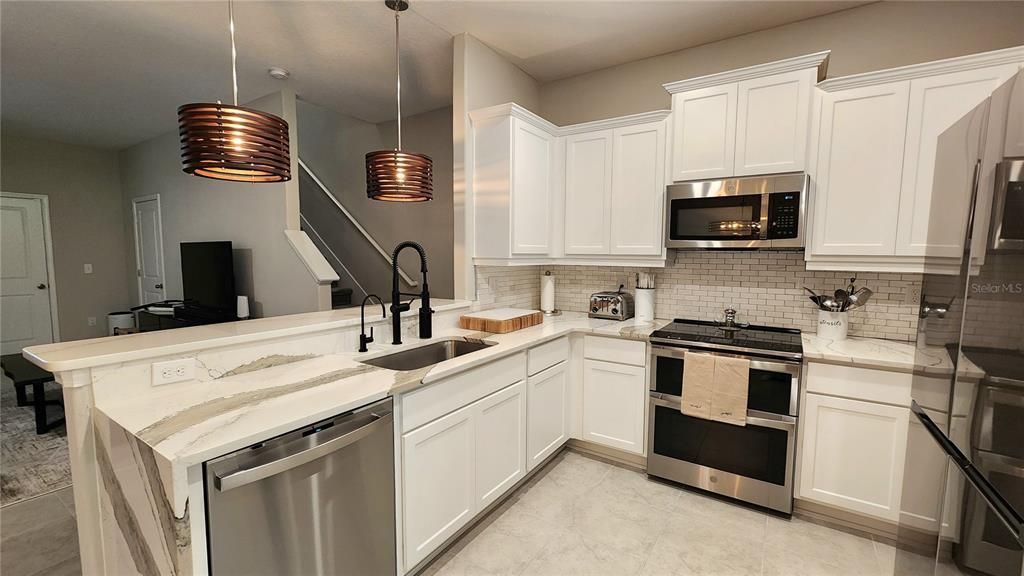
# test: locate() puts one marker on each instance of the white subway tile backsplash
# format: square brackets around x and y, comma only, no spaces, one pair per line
[765,287]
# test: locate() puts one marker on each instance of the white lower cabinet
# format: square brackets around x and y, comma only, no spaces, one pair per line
[853,455]
[614,397]
[439,471]
[548,413]
[500,443]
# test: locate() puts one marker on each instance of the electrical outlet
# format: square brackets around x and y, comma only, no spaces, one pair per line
[91,320]
[173,371]
[912,295]
[87,268]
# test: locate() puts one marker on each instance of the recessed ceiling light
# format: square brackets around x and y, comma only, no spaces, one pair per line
[278,73]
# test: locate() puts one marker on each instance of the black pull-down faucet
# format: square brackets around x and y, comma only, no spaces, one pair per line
[397,306]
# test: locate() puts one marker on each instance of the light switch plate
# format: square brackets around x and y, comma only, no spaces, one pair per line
[87,268]
[91,320]
[173,371]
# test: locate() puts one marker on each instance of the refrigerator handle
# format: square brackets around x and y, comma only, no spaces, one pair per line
[996,503]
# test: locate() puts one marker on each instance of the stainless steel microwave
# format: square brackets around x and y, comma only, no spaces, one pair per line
[1008,206]
[754,212]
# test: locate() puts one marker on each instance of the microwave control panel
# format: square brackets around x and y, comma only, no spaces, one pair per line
[783,215]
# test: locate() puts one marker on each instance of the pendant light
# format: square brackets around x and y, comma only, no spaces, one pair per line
[233,142]
[396,175]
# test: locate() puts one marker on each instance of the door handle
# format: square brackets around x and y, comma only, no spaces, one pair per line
[41,286]
[159,286]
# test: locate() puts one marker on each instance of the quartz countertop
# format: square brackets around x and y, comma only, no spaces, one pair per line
[76,354]
[886,355]
[191,422]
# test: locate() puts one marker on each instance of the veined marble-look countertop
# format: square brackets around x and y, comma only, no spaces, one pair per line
[76,354]
[192,422]
[887,355]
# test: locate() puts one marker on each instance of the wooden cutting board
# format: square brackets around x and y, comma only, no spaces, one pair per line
[501,320]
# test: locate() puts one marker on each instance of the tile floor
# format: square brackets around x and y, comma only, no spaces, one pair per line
[39,536]
[582,516]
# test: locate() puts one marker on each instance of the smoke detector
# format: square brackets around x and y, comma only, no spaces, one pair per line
[278,73]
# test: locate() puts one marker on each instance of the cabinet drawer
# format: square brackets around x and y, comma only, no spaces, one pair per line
[436,400]
[615,350]
[860,383]
[547,355]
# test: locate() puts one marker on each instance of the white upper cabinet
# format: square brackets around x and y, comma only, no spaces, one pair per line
[588,192]
[895,154]
[638,189]
[1014,142]
[942,146]
[772,122]
[744,122]
[859,161]
[514,183]
[704,133]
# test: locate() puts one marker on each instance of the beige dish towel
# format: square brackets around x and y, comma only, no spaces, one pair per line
[729,390]
[698,377]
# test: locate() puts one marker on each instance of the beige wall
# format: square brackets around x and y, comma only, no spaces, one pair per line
[252,216]
[871,37]
[481,78]
[334,146]
[86,225]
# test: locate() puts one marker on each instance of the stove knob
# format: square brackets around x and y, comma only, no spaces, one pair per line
[615,310]
[594,309]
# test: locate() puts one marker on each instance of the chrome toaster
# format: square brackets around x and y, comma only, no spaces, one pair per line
[616,305]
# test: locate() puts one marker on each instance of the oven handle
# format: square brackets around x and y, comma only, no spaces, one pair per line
[679,353]
[754,417]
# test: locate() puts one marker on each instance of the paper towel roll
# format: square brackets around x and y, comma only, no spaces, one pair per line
[547,292]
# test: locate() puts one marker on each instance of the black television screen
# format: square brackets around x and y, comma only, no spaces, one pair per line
[208,275]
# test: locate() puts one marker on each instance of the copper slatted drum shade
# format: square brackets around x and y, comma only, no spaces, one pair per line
[226,142]
[397,176]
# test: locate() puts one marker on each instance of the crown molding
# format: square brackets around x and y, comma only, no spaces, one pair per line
[817,60]
[511,109]
[618,122]
[1013,55]
[515,111]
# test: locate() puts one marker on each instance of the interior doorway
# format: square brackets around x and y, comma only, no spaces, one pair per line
[28,297]
[149,249]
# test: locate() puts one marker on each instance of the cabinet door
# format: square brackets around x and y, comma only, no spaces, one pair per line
[771,124]
[548,413]
[942,146]
[1014,143]
[853,455]
[704,133]
[500,443]
[532,177]
[588,181]
[638,189]
[857,184]
[924,478]
[438,482]
[614,396]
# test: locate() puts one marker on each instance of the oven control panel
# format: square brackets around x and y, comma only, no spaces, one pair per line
[784,215]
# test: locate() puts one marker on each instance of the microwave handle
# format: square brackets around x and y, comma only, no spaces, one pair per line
[763,223]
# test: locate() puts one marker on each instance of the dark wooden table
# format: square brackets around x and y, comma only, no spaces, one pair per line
[24,374]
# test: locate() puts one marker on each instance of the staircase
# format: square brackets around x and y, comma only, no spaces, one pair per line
[362,264]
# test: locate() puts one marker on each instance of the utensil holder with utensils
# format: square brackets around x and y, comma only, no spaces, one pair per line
[833,325]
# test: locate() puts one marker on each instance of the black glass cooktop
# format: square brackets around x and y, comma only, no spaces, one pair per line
[748,336]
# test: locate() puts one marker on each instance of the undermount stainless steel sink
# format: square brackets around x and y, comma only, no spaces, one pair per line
[432,353]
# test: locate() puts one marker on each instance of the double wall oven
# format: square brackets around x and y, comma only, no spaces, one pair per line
[753,463]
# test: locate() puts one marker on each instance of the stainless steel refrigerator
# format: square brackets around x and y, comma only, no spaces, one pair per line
[963,493]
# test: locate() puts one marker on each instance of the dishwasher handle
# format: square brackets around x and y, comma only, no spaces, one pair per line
[302,453]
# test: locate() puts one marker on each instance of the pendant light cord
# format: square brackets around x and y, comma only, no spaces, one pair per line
[398,76]
[234,52]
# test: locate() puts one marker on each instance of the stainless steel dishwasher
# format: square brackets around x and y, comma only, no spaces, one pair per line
[316,501]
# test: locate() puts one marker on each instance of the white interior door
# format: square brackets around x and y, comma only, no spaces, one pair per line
[25,312]
[149,250]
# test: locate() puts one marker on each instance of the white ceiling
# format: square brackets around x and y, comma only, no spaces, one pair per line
[112,74]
